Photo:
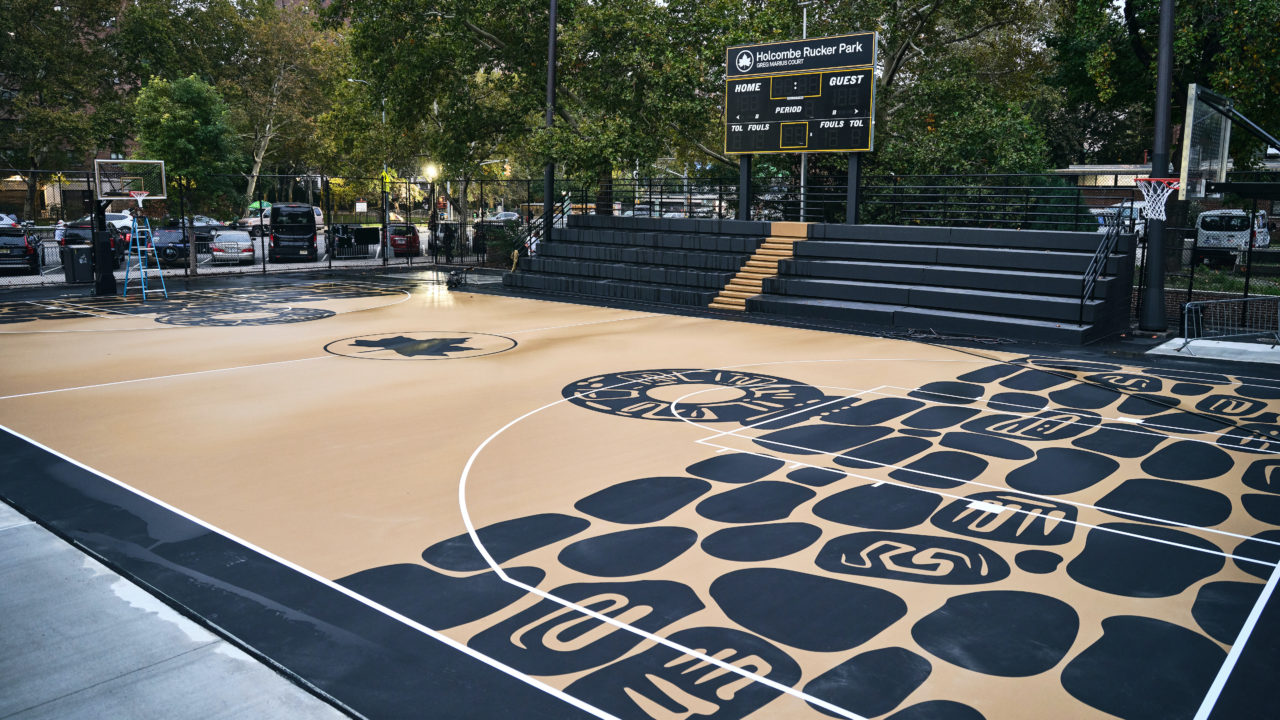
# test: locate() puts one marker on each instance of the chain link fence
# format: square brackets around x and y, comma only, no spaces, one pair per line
[392,222]
[1216,248]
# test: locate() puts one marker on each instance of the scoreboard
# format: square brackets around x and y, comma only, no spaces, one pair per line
[801,96]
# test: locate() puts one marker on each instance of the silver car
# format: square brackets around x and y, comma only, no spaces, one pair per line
[233,246]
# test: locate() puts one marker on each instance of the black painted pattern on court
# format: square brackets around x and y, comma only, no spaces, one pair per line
[885,491]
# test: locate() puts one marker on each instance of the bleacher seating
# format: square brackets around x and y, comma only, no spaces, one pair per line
[679,261]
[1024,284]
[1021,284]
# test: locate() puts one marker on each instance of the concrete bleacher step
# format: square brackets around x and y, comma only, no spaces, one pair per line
[728,304]
[988,257]
[1038,282]
[761,266]
[613,289]
[958,236]
[924,319]
[1029,305]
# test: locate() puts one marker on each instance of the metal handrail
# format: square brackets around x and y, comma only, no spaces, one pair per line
[1098,262]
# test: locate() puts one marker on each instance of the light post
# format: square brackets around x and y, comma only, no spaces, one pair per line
[549,173]
[804,157]
[431,172]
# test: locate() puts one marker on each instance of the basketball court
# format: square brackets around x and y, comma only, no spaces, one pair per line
[430,503]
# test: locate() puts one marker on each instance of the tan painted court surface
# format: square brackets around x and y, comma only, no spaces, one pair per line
[696,517]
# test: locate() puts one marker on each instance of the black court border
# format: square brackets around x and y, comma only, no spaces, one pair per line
[362,661]
[353,656]
[370,664]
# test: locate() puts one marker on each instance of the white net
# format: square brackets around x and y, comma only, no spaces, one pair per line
[1156,192]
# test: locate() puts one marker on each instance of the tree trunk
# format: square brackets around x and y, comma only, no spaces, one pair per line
[29,204]
[259,152]
[604,195]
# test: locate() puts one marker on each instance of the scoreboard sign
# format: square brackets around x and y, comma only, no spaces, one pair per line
[814,95]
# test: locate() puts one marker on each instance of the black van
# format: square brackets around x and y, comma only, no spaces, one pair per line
[293,233]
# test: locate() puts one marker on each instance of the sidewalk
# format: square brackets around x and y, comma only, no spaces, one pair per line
[79,641]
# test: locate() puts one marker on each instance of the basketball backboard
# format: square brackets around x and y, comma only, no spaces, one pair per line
[116,179]
[1206,138]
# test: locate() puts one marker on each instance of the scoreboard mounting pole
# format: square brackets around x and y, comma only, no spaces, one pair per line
[806,96]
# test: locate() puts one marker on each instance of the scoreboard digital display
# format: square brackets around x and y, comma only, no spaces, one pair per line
[813,95]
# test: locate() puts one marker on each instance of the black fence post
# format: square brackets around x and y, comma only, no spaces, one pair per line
[744,187]
[326,200]
[851,192]
[386,218]
[1248,261]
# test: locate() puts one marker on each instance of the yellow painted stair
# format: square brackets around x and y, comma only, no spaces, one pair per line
[749,281]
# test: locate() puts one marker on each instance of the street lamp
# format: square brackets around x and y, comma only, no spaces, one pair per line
[431,171]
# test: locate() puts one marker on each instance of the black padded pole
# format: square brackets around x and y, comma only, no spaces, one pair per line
[744,187]
[1153,312]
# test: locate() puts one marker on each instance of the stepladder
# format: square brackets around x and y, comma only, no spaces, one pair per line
[142,265]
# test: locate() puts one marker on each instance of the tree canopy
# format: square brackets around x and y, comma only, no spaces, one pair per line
[961,86]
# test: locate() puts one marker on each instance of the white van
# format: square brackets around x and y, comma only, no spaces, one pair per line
[1229,229]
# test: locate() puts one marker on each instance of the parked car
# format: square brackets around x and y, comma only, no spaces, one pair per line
[505,217]
[206,221]
[404,240]
[1103,216]
[171,246]
[9,220]
[19,249]
[233,246]
[120,221]
[255,223]
[292,233]
[319,216]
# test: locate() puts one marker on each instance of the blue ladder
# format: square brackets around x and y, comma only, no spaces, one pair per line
[142,258]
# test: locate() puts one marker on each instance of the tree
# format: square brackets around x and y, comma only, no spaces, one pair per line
[1105,59]
[58,98]
[279,88]
[183,122]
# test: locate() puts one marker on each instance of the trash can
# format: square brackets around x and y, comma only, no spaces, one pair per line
[77,263]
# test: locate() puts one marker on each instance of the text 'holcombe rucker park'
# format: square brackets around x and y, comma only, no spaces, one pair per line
[774,58]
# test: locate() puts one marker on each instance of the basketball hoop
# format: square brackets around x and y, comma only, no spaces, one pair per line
[139,195]
[1156,192]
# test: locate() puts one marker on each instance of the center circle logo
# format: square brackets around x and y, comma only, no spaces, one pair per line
[745,61]
[242,313]
[421,345]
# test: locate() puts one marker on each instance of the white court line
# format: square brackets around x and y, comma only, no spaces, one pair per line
[1055,500]
[475,539]
[77,307]
[63,309]
[165,377]
[217,293]
[581,324]
[1169,430]
[1237,647]
[800,411]
[1078,523]
[856,393]
[434,634]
